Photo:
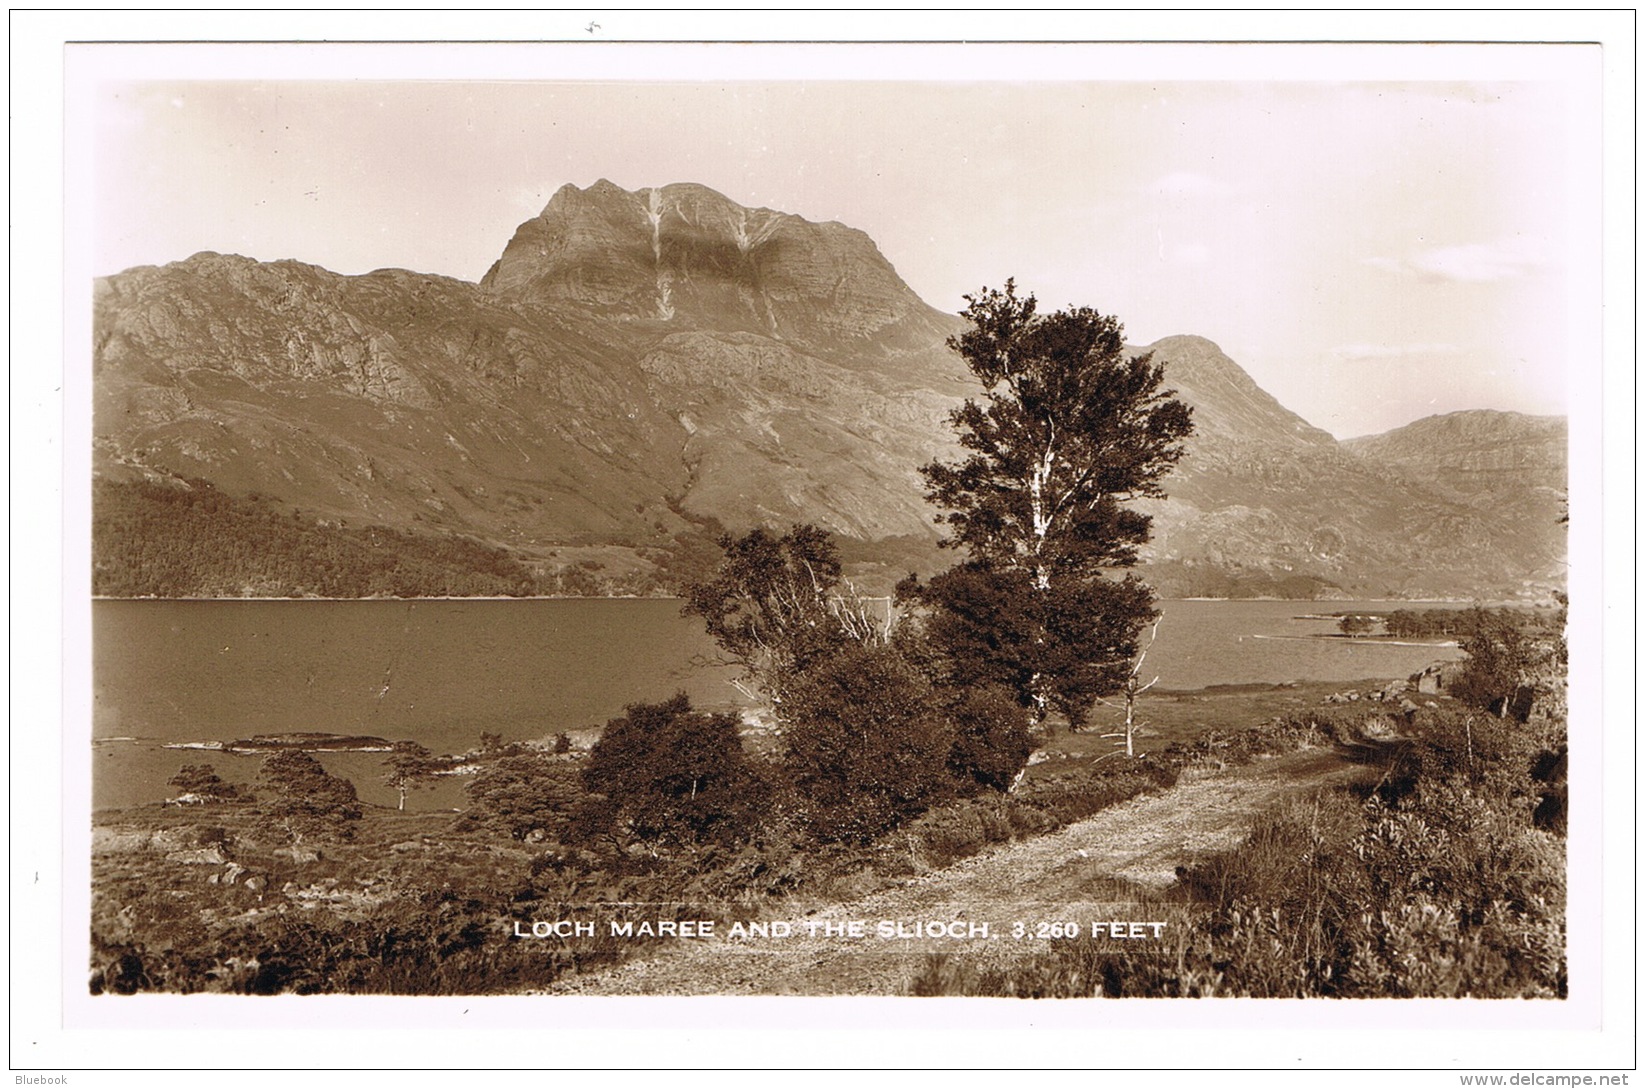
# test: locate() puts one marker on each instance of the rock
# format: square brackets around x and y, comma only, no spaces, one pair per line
[200,856]
[299,853]
[1428,681]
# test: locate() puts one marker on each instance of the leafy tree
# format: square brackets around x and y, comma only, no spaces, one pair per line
[867,745]
[410,766]
[1504,664]
[1069,430]
[1405,624]
[1355,626]
[673,774]
[306,799]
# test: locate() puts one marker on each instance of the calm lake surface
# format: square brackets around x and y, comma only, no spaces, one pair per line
[444,672]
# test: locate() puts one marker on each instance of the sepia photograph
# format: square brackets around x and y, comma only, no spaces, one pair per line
[1061,523]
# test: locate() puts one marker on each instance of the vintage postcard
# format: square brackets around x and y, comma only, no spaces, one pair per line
[776,522]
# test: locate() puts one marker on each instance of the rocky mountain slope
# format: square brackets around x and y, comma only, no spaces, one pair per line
[1263,498]
[1505,462]
[637,367]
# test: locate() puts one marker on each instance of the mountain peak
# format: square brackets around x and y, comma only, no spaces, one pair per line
[1188,342]
[637,363]
[1226,400]
[690,256]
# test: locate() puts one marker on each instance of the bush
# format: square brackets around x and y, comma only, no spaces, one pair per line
[991,739]
[1453,749]
[867,749]
[522,795]
[202,782]
[307,799]
[674,775]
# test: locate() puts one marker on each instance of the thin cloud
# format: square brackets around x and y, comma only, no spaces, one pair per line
[1359,352]
[1473,263]
[1186,183]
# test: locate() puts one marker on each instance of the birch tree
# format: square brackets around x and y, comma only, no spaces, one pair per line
[1071,428]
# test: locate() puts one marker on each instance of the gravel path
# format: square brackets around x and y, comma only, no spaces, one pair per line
[1081,874]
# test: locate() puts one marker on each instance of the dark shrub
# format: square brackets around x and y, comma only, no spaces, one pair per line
[867,748]
[1551,769]
[520,795]
[307,799]
[675,775]
[203,782]
[991,739]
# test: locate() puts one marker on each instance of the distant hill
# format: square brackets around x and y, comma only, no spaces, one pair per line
[640,369]
[1506,462]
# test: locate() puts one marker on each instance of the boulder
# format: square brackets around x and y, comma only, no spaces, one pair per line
[200,856]
[299,853]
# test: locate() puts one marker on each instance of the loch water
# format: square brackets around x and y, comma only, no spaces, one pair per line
[444,672]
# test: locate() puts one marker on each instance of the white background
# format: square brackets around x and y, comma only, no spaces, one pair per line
[55,1025]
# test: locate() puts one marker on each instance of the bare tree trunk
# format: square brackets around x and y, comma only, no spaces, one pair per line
[1132,691]
[1130,715]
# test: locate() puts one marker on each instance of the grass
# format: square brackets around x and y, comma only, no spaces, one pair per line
[1439,881]
[1173,718]
[416,902]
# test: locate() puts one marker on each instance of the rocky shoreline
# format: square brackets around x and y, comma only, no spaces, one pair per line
[291,742]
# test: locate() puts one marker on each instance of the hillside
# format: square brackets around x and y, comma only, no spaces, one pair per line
[1505,462]
[640,369]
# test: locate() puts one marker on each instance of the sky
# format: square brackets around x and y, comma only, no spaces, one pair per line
[1371,251]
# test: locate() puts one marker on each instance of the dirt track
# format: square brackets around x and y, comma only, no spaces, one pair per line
[1079,874]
